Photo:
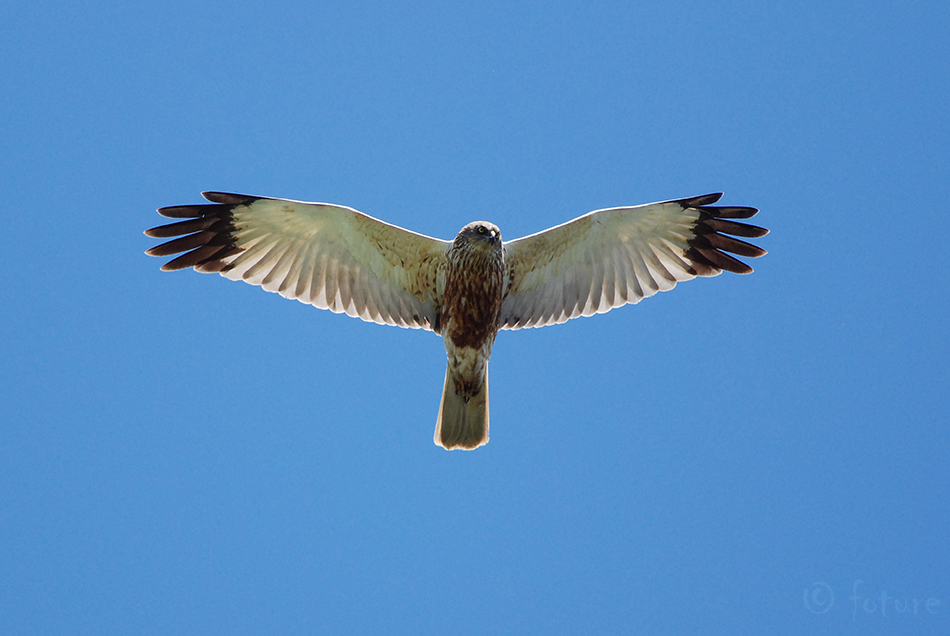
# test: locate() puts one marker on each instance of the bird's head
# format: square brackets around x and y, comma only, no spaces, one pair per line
[480,235]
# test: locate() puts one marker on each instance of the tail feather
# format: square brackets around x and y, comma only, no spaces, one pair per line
[462,423]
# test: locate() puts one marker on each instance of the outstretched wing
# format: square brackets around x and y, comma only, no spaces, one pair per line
[612,257]
[329,256]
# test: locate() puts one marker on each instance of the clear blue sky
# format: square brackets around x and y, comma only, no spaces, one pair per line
[182,454]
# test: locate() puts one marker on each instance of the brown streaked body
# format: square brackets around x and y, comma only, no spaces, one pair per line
[337,258]
[471,308]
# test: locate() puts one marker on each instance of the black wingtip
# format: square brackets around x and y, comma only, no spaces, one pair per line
[203,238]
[712,246]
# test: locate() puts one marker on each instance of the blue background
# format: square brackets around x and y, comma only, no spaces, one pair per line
[184,454]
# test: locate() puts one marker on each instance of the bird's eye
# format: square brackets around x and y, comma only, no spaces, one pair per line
[481,229]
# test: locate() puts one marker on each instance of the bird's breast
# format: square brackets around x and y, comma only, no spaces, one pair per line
[471,303]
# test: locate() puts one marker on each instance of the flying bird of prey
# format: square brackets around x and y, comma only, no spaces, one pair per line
[334,257]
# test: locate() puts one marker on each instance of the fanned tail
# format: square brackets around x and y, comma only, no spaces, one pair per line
[463,423]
